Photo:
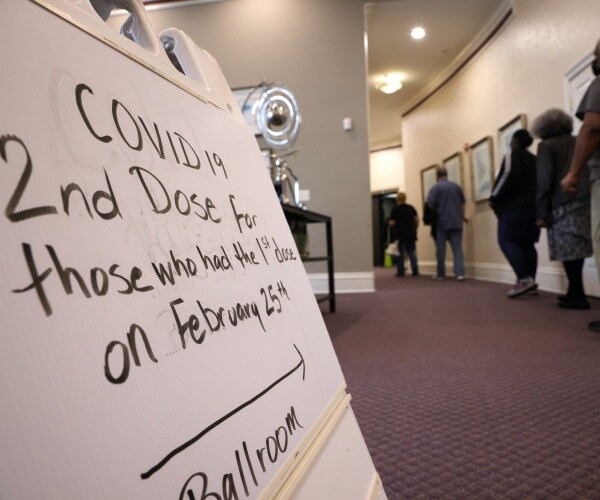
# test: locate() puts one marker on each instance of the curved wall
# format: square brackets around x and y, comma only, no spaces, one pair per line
[521,70]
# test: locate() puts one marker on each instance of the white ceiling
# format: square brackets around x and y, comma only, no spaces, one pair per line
[454,30]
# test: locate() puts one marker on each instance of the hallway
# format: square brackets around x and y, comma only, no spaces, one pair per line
[463,393]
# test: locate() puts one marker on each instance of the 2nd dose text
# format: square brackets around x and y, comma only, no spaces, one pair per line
[102,200]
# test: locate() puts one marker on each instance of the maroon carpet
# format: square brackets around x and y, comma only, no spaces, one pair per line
[463,393]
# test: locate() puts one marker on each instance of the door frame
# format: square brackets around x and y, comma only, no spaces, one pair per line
[380,226]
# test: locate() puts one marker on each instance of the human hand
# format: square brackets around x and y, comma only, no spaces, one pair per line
[569,183]
[541,223]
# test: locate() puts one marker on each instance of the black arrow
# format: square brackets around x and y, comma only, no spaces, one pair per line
[216,423]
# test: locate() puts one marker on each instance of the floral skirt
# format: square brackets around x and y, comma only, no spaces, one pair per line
[569,236]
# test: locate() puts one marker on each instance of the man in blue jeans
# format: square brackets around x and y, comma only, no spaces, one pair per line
[446,198]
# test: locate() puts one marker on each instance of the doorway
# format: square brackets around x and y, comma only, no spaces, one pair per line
[382,204]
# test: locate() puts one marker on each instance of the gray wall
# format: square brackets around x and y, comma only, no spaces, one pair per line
[315,48]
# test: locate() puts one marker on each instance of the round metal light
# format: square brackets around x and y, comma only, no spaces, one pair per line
[277,116]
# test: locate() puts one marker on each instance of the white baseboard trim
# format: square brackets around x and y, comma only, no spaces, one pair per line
[549,279]
[362,282]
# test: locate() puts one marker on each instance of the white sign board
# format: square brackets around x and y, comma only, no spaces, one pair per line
[159,335]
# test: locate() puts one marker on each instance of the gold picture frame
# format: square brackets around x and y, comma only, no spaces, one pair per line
[506,131]
[482,169]
[428,179]
[454,166]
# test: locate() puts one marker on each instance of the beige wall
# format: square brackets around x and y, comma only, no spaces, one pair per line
[520,71]
[387,170]
[316,49]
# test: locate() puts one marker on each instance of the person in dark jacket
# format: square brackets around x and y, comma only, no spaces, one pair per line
[513,201]
[566,217]
[405,221]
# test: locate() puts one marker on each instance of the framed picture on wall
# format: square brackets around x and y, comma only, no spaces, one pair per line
[428,179]
[482,169]
[453,165]
[506,132]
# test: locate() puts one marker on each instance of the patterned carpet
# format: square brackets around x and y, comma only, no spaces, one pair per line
[462,393]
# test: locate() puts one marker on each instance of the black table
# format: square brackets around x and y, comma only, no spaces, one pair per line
[293,213]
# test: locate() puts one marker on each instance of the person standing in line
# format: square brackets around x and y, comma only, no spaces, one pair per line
[447,200]
[513,201]
[587,151]
[567,218]
[405,221]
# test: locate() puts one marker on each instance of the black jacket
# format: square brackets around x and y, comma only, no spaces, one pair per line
[515,186]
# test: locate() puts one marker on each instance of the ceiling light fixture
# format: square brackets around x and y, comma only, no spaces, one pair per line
[417,33]
[390,85]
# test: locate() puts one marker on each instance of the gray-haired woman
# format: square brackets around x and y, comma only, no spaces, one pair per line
[566,217]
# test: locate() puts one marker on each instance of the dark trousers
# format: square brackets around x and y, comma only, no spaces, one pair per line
[574,271]
[517,236]
[407,247]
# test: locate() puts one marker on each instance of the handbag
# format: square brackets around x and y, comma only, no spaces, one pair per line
[392,249]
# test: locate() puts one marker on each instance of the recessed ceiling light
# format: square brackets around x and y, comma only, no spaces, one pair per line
[417,33]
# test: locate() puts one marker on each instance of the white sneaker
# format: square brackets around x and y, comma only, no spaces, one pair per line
[522,287]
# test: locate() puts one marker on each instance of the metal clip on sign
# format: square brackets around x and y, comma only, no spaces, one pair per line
[171,54]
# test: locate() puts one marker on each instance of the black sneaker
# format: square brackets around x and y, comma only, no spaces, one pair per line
[574,304]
